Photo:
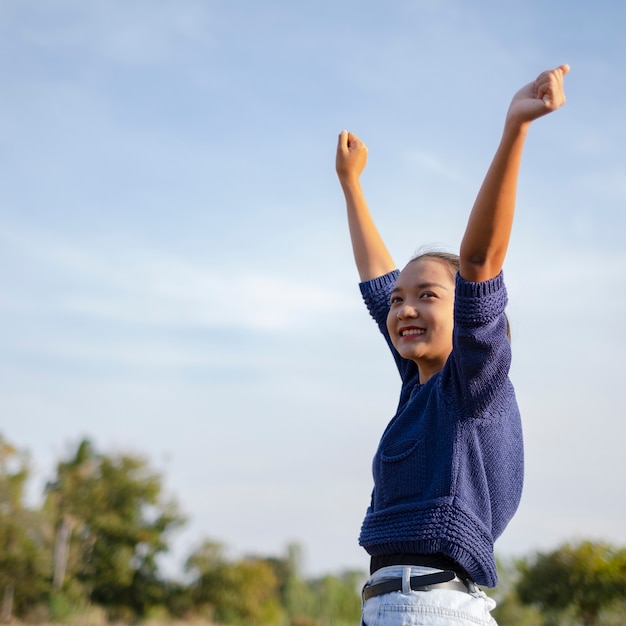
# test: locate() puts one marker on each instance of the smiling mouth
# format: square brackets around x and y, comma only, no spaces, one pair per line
[412,332]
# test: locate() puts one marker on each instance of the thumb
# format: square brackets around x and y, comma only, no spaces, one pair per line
[564,69]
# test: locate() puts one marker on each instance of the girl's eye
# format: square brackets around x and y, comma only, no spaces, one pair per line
[395,300]
[428,294]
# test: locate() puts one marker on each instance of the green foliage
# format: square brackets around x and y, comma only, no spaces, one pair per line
[66,604]
[296,595]
[23,562]
[111,525]
[299,600]
[266,591]
[510,610]
[177,600]
[92,552]
[244,593]
[614,616]
[586,578]
[338,599]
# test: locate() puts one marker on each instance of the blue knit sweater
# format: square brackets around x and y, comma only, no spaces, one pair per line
[448,471]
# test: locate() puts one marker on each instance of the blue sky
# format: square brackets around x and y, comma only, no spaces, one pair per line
[175,271]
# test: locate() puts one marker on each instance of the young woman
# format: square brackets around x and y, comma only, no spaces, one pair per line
[449,467]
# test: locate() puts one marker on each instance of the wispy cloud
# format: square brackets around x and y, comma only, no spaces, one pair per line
[141,33]
[143,286]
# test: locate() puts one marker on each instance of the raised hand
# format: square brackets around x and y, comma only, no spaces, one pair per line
[351,156]
[370,253]
[544,95]
[488,229]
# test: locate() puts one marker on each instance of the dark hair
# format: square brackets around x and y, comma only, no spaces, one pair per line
[452,262]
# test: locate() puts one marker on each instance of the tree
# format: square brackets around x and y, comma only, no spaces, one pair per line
[509,609]
[329,600]
[338,598]
[22,556]
[111,525]
[296,594]
[70,497]
[585,578]
[243,592]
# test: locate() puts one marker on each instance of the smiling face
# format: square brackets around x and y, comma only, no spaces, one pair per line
[420,318]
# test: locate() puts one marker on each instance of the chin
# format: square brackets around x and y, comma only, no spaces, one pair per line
[411,356]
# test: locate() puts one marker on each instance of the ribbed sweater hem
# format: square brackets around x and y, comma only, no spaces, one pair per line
[443,526]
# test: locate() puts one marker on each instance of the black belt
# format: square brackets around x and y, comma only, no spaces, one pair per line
[437,580]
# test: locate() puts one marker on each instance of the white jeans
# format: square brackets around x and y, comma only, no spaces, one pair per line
[439,607]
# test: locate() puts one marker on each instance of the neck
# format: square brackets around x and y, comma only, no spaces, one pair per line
[427,369]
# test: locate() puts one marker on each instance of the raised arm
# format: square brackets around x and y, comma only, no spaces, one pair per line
[370,253]
[488,231]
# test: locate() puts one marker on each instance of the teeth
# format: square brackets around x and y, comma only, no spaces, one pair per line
[411,332]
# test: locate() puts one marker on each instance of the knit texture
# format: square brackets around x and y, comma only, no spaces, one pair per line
[448,471]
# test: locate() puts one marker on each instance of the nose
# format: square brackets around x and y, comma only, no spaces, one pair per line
[407,311]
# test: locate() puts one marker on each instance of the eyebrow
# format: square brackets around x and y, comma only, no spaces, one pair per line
[421,286]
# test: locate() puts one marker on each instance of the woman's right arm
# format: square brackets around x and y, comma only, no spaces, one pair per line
[370,253]
[488,231]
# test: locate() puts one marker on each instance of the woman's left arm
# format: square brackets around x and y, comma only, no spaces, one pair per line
[488,230]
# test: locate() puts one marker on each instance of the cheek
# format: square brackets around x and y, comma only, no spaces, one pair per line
[389,321]
[390,327]
[446,324]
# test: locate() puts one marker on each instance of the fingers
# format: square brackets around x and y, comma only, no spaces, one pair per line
[549,87]
[564,69]
[351,156]
[349,141]
[342,143]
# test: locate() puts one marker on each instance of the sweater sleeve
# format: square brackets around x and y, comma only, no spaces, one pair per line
[481,352]
[376,294]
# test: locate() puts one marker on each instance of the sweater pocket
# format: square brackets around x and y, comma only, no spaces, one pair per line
[402,472]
